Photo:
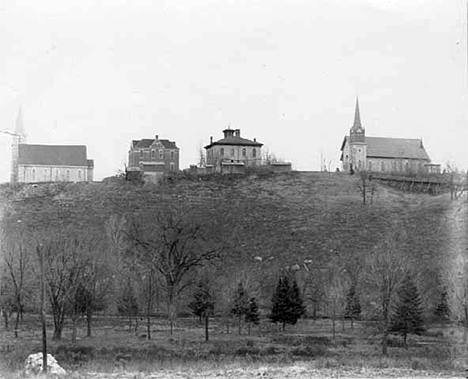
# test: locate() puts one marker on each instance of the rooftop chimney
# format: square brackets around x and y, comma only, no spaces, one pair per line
[237,133]
[156,137]
[211,140]
[255,140]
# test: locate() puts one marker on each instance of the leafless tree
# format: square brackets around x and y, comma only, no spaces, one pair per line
[18,266]
[366,187]
[387,266]
[174,244]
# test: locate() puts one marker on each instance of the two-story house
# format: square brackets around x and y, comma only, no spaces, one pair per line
[233,150]
[153,157]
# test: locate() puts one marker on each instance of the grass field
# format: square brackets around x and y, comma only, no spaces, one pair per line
[304,350]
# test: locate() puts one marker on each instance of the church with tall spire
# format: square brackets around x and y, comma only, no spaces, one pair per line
[47,163]
[382,154]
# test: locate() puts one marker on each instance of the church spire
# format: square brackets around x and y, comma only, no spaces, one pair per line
[19,127]
[357,116]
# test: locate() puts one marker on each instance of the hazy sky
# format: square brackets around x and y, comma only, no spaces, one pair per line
[287,72]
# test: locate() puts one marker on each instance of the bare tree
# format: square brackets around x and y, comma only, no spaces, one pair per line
[174,245]
[386,268]
[18,265]
[366,187]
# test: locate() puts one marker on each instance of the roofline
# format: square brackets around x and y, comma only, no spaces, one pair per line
[402,157]
[256,144]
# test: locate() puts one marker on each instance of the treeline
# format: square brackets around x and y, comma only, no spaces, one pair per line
[241,258]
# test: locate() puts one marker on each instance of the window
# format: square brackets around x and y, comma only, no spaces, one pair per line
[221,151]
[141,153]
[383,166]
[79,175]
[153,154]
[160,154]
[57,175]
[244,152]
[254,152]
[407,167]
[172,166]
[68,175]
[370,166]
[33,174]
[232,152]
[172,154]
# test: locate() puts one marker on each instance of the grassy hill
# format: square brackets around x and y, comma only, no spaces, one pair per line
[284,219]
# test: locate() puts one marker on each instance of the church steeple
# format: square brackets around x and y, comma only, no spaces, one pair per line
[357,132]
[357,116]
[19,127]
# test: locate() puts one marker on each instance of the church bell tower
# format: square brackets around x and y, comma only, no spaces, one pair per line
[357,142]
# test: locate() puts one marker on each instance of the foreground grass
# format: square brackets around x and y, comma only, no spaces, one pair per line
[305,350]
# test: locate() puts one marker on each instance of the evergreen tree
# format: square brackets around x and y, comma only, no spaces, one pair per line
[251,315]
[442,310]
[407,318]
[353,305]
[239,303]
[287,304]
[127,303]
[203,304]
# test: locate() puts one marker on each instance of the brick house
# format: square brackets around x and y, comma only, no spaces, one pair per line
[153,157]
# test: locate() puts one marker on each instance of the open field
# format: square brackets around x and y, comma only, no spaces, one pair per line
[304,350]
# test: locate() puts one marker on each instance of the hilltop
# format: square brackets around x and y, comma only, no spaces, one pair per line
[290,217]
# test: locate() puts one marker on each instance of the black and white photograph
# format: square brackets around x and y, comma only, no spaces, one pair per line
[233,189]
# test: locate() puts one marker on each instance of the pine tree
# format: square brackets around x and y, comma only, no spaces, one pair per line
[287,304]
[128,304]
[239,303]
[353,305]
[442,310]
[251,315]
[203,304]
[407,318]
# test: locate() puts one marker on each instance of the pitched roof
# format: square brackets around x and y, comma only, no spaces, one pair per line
[52,155]
[146,143]
[381,147]
[235,141]
[403,148]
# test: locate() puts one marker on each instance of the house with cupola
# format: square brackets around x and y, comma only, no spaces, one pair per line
[233,153]
[360,152]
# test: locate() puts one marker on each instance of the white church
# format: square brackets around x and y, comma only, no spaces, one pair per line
[47,163]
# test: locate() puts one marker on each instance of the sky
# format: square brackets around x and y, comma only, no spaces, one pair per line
[286,72]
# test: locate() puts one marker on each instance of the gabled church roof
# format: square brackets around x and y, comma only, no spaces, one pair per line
[52,155]
[397,148]
[382,147]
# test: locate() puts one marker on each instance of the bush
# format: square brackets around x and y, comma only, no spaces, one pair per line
[309,351]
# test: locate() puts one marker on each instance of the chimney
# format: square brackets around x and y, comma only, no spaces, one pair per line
[211,140]
[255,140]
[237,133]
[156,138]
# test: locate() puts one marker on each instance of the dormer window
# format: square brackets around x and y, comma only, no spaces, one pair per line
[160,154]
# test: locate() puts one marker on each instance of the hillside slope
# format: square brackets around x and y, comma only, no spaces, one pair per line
[284,219]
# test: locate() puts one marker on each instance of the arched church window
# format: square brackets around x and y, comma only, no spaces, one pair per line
[33,174]
[407,167]
[244,152]
[79,175]
[68,175]
[254,152]
[153,154]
